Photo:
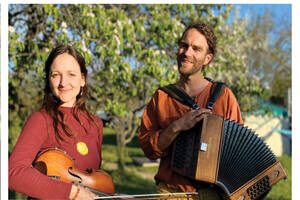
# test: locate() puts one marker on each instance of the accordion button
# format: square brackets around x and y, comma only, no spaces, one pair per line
[241,197]
[276,174]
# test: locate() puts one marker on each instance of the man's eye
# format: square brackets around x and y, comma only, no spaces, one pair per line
[54,75]
[182,45]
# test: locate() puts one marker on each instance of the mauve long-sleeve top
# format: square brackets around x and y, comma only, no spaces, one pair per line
[38,134]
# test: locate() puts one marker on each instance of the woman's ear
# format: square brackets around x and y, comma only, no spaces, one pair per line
[82,80]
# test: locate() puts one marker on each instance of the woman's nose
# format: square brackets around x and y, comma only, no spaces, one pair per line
[63,80]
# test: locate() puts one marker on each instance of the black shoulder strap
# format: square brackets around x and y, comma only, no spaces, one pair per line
[179,95]
[216,90]
[184,98]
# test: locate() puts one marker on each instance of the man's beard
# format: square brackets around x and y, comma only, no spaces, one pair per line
[195,68]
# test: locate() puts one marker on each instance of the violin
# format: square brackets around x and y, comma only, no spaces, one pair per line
[57,164]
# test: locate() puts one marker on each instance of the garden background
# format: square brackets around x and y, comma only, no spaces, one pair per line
[130,50]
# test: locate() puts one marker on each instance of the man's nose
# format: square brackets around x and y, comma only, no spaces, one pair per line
[188,51]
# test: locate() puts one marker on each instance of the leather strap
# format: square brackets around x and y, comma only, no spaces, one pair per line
[180,95]
[184,98]
[216,90]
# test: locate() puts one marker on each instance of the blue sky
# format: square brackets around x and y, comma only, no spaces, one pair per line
[280,10]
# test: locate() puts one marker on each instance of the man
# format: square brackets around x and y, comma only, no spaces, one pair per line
[164,117]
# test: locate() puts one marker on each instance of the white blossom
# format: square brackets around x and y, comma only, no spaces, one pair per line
[222,58]
[163,52]
[175,67]
[117,40]
[11,29]
[64,30]
[255,77]
[89,52]
[127,69]
[83,46]
[64,25]
[119,25]
[179,24]
[90,14]
[129,21]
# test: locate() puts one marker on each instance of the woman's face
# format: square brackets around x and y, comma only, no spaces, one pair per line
[66,79]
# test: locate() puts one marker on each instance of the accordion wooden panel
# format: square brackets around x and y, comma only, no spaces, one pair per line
[229,155]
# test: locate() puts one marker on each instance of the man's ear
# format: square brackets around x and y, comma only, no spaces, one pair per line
[208,58]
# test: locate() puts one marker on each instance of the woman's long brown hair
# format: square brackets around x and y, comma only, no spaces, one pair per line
[52,103]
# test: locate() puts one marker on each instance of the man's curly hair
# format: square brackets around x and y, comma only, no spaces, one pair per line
[206,31]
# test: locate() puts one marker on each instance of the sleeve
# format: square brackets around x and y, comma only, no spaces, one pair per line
[150,130]
[22,177]
[100,138]
[232,109]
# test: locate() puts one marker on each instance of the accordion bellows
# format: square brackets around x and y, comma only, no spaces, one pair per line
[229,155]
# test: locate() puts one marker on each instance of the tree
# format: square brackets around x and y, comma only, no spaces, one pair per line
[261,65]
[130,51]
[271,60]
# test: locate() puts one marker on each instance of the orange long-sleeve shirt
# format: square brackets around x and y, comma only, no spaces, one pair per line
[161,111]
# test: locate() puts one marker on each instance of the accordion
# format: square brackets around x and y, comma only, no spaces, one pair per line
[228,155]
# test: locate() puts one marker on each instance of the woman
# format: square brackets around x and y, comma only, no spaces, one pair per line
[62,122]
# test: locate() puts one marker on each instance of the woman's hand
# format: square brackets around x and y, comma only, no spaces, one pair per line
[80,193]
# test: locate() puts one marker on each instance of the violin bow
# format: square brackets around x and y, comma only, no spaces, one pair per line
[152,196]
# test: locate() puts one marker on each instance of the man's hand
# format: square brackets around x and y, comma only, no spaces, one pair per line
[186,122]
[189,119]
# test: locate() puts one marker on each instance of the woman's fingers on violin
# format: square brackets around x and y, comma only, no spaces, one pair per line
[85,194]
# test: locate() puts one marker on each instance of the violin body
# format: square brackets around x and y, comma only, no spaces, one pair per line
[58,165]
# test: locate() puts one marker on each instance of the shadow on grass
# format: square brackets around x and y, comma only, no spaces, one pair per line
[130,183]
[110,139]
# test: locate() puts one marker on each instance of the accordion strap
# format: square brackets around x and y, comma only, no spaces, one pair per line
[184,98]
[179,95]
[216,90]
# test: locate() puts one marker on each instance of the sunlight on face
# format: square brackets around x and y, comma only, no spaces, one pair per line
[66,79]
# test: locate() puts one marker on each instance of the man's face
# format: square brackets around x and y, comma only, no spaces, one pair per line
[192,53]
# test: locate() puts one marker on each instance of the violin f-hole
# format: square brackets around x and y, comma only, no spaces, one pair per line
[75,175]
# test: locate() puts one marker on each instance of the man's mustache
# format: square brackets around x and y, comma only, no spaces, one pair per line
[182,57]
